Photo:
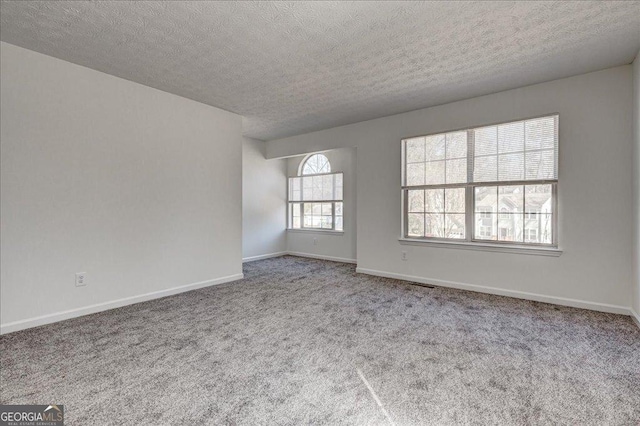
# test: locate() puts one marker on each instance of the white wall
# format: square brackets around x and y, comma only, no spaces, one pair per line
[636,187]
[594,191]
[139,188]
[330,245]
[264,201]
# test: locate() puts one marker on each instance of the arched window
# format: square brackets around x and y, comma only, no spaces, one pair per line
[315,196]
[315,164]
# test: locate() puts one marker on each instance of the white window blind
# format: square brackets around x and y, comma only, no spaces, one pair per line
[518,151]
[325,187]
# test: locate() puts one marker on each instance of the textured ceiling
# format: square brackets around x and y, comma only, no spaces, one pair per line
[295,67]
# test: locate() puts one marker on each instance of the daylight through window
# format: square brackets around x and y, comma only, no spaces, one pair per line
[492,183]
[315,198]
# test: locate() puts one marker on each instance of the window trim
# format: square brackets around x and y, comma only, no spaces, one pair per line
[484,246]
[470,239]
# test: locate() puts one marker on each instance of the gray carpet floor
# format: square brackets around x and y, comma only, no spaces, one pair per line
[303,341]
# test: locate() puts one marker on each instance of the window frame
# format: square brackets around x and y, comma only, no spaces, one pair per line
[470,212]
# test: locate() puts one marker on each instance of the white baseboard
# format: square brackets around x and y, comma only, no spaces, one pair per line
[322,257]
[602,307]
[263,256]
[99,307]
[635,317]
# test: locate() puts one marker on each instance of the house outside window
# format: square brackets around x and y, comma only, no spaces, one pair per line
[494,183]
[315,197]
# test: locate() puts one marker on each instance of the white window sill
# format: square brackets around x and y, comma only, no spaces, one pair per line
[474,245]
[316,231]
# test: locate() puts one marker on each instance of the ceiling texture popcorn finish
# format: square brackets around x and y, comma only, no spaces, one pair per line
[295,67]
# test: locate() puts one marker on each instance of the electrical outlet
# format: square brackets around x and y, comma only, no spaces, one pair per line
[81,279]
[404,256]
[315,241]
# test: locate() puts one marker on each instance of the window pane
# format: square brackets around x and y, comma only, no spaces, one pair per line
[454,226]
[338,195]
[485,169]
[307,209]
[485,225]
[434,225]
[546,229]
[339,226]
[327,222]
[307,188]
[510,227]
[455,200]
[511,199]
[434,200]
[540,165]
[414,150]
[415,174]
[485,217]
[486,198]
[416,201]
[538,228]
[338,186]
[511,137]
[317,187]
[294,215]
[435,147]
[326,209]
[511,167]
[486,140]
[327,187]
[415,225]
[540,133]
[338,209]
[538,199]
[295,192]
[457,171]
[317,163]
[434,173]
[457,145]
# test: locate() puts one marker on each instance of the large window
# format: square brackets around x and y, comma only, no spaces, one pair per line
[493,183]
[315,197]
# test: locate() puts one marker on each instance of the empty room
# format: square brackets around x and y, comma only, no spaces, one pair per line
[319,213]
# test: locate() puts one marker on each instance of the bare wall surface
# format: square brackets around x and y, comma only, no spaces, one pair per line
[330,245]
[594,190]
[136,187]
[264,200]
